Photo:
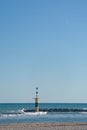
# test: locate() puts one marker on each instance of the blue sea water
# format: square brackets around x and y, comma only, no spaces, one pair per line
[56,112]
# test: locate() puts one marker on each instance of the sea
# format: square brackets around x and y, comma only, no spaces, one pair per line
[56,112]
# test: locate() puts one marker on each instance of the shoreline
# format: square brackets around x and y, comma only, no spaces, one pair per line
[45,126]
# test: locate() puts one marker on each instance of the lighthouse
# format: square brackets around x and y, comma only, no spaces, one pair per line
[37,111]
[36,101]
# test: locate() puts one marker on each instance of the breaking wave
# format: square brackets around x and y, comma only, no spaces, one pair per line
[31,112]
[21,113]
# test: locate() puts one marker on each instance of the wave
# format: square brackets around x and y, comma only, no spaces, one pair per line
[36,113]
[85,113]
[31,112]
[21,113]
[26,114]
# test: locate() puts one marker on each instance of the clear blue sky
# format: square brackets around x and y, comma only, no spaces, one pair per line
[43,43]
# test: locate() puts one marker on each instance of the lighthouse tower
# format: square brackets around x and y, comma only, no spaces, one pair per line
[36,101]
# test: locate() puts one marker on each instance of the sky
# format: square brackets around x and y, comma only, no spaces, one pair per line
[43,43]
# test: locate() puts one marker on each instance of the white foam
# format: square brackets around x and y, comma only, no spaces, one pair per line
[21,111]
[83,112]
[32,113]
[24,114]
[35,113]
[8,115]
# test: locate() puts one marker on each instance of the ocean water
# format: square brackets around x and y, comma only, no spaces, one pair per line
[56,112]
